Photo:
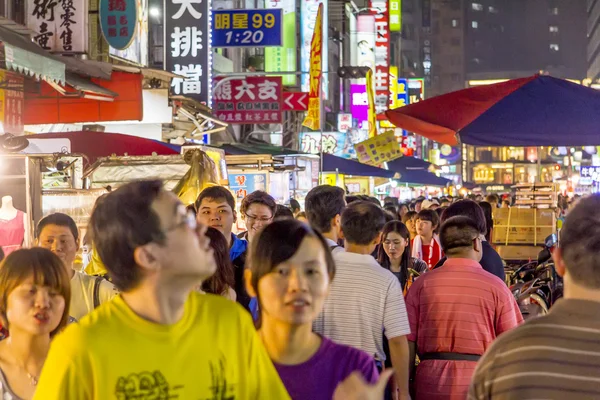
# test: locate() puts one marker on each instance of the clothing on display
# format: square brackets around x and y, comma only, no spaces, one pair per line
[12,230]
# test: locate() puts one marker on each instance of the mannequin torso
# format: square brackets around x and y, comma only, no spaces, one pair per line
[7,210]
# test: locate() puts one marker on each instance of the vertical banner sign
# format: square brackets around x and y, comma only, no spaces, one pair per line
[251,100]
[12,103]
[118,21]
[402,98]
[60,25]
[313,117]
[393,87]
[283,59]
[382,54]
[308,18]
[365,37]
[395,15]
[426,40]
[187,47]
[372,114]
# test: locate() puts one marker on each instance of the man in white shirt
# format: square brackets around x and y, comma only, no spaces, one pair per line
[59,234]
[365,300]
[324,205]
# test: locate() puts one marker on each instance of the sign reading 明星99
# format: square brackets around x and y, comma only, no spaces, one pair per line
[247,28]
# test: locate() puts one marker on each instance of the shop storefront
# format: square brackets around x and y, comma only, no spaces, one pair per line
[512,165]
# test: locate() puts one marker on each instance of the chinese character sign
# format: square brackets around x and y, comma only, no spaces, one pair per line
[335,143]
[379,8]
[313,116]
[395,15]
[118,20]
[247,28]
[377,150]
[372,114]
[251,100]
[187,47]
[60,25]
[244,184]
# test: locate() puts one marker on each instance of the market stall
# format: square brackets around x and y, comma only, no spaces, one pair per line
[284,173]
[352,176]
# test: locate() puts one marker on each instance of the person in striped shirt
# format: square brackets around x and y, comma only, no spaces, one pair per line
[366,300]
[455,313]
[555,356]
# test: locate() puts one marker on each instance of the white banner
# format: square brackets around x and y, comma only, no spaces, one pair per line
[59,25]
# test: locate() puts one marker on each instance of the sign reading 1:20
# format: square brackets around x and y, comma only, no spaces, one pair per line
[247,28]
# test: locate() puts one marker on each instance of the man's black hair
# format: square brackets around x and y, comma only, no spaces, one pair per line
[467,208]
[216,193]
[457,234]
[58,219]
[322,204]
[122,221]
[580,242]
[362,222]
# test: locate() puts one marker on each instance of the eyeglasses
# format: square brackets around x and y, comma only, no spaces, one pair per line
[188,220]
[252,218]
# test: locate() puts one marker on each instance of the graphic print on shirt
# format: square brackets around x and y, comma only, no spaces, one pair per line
[220,389]
[153,385]
[145,385]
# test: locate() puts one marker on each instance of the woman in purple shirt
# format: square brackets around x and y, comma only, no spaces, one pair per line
[290,271]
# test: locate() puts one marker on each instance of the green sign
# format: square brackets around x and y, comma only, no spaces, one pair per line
[283,59]
[395,15]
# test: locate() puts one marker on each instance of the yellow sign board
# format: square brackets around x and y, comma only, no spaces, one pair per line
[379,149]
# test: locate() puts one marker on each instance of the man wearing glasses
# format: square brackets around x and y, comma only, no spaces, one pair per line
[158,338]
[258,210]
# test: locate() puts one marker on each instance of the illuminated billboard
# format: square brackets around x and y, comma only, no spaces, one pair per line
[283,58]
[308,17]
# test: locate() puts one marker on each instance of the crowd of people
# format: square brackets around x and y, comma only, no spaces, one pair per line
[348,299]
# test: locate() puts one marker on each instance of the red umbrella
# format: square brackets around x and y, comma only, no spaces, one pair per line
[534,111]
[100,144]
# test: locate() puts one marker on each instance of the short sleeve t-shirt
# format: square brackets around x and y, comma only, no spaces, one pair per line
[82,294]
[212,352]
[317,378]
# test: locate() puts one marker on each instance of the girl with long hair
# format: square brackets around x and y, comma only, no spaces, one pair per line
[222,282]
[394,254]
[35,291]
[291,269]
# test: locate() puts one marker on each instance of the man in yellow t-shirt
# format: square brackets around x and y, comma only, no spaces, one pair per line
[158,338]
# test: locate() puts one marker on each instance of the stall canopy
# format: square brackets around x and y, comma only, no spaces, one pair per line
[333,163]
[22,55]
[240,149]
[420,177]
[534,111]
[408,163]
[100,144]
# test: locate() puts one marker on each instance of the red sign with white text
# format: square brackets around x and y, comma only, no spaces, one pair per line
[250,100]
[379,8]
[295,101]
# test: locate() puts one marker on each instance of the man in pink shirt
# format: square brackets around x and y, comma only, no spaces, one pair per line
[455,313]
